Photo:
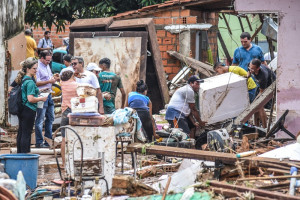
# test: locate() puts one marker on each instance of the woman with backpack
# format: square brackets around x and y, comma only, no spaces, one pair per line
[30,97]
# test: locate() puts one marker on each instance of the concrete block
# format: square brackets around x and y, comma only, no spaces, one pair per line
[222,97]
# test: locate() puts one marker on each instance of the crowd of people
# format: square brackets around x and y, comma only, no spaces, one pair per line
[36,78]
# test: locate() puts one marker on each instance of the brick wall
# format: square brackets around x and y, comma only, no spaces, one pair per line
[56,37]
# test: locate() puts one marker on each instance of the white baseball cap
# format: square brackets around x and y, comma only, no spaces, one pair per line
[93,66]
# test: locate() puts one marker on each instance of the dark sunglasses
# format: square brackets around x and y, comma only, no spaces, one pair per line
[74,64]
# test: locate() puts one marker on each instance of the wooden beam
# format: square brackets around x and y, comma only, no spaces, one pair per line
[202,68]
[259,192]
[241,24]
[256,32]
[228,57]
[226,158]
[258,103]
[226,22]
[249,24]
[268,178]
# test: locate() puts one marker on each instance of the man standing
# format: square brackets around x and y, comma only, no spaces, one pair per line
[182,105]
[109,82]
[44,81]
[93,67]
[67,62]
[220,68]
[244,54]
[84,76]
[30,44]
[265,77]
[45,43]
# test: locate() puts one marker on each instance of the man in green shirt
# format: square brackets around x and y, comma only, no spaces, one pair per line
[109,82]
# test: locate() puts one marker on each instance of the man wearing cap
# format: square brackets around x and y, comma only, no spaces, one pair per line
[30,44]
[182,108]
[109,82]
[93,67]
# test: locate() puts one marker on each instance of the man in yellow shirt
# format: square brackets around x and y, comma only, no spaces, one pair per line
[30,44]
[220,68]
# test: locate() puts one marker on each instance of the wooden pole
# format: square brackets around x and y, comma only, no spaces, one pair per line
[226,22]
[242,27]
[166,189]
[249,24]
[228,57]
[268,178]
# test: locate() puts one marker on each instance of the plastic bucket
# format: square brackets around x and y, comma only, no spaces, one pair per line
[27,163]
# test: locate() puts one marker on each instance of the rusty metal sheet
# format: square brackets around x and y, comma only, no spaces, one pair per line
[91,23]
[157,74]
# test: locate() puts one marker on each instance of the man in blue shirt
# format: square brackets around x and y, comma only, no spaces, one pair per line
[243,55]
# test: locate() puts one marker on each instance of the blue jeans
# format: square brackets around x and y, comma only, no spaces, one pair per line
[252,94]
[48,112]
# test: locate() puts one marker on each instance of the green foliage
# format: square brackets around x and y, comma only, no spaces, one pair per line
[59,12]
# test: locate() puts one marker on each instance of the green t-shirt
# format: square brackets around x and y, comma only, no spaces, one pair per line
[29,88]
[109,82]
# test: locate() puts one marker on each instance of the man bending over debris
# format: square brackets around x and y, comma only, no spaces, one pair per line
[265,77]
[182,108]
[220,68]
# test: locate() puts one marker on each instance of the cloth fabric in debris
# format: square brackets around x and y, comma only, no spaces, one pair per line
[122,116]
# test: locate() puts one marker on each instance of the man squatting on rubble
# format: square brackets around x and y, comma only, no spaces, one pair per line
[182,108]
[265,77]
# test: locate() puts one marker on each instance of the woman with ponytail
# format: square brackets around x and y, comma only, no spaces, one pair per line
[142,104]
[30,98]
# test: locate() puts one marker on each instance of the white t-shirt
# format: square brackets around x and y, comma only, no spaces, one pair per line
[181,99]
[89,78]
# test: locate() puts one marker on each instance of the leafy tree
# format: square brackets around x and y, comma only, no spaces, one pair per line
[60,12]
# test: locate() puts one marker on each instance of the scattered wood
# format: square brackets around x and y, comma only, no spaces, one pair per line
[201,67]
[278,170]
[258,103]
[268,178]
[259,192]
[126,185]
[226,22]
[228,57]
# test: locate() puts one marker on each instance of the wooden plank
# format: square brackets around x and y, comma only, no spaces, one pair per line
[259,192]
[203,68]
[256,32]
[147,24]
[228,57]
[232,193]
[268,178]
[249,24]
[91,24]
[258,103]
[226,22]
[226,158]
[241,24]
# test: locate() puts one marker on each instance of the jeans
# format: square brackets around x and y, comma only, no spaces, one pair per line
[26,122]
[252,94]
[48,112]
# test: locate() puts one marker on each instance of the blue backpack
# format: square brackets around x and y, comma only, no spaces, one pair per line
[15,104]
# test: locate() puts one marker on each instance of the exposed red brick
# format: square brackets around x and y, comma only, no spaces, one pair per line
[175,13]
[176,69]
[185,13]
[159,21]
[168,70]
[167,40]
[166,14]
[162,47]
[164,62]
[159,40]
[160,33]
[168,21]
[171,76]
[170,35]
[191,20]
[171,47]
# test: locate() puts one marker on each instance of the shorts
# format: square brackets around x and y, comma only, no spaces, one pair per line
[65,120]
